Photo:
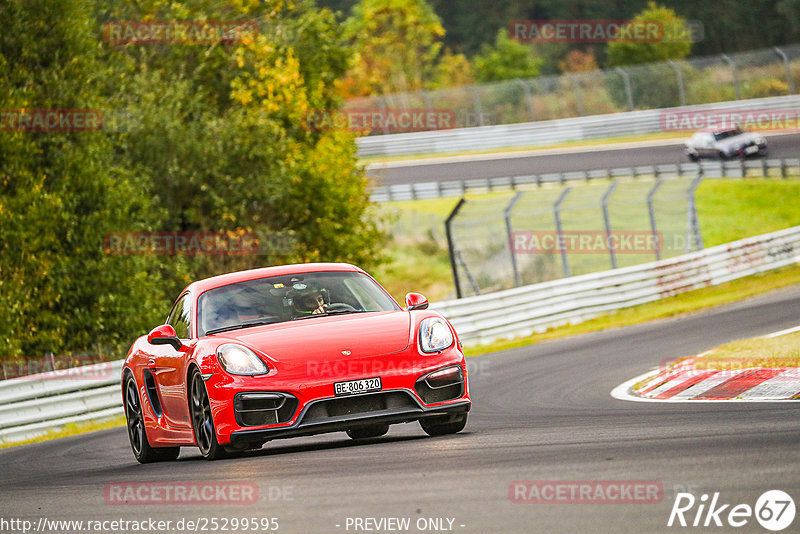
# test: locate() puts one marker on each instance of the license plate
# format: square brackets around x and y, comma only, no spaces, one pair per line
[353,387]
[751,149]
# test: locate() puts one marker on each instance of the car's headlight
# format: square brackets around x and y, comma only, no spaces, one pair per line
[239,360]
[434,335]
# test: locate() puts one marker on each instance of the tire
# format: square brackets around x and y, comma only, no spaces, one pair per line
[137,434]
[375,431]
[205,434]
[693,157]
[447,424]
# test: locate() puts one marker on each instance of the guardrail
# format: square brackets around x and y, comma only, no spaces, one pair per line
[33,405]
[530,134]
[525,310]
[708,168]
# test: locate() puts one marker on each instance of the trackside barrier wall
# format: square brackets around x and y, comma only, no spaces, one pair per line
[33,405]
[535,308]
[549,132]
[30,406]
[740,168]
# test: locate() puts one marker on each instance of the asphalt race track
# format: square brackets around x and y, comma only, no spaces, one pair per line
[540,413]
[780,146]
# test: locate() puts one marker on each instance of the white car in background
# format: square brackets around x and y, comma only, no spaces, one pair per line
[725,144]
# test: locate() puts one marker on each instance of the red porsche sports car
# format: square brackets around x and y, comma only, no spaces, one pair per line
[295,350]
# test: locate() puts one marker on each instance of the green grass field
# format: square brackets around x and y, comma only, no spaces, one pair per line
[781,351]
[728,210]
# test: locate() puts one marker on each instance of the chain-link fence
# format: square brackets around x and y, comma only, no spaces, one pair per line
[702,80]
[524,237]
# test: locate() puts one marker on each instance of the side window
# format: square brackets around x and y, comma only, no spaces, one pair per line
[180,318]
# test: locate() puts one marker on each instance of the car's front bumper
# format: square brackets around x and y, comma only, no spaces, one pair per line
[394,406]
[311,405]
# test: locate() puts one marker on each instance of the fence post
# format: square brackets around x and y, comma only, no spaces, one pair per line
[578,97]
[451,245]
[478,107]
[693,222]
[528,98]
[652,212]
[381,104]
[426,98]
[732,65]
[507,217]
[786,66]
[626,79]
[679,79]
[560,230]
[471,280]
[607,221]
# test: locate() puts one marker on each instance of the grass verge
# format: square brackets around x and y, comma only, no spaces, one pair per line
[564,144]
[71,429]
[729,209]
[781,351]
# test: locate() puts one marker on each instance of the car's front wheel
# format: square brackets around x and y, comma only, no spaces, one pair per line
[202,422]
[375,431]
[441,425]
[137,434]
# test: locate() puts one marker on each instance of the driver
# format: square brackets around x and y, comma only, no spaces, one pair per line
[307,299]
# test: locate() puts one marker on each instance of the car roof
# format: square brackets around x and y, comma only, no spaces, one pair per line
[720,130]
[204,285]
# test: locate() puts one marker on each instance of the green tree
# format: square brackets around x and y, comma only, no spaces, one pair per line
[505,60]
[61,192]
[674,44]
[397,45]
[196,137]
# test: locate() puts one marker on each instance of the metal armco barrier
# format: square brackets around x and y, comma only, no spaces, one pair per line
[754,168]
[32,405]
[531,134]
[535,308]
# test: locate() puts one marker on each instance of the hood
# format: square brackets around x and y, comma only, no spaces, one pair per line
[743,139]
[324,338]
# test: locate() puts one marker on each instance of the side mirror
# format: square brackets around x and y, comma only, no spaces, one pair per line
[415,301]
[164,335]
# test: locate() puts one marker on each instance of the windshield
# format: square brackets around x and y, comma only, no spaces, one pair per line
[286,298]
[719,136]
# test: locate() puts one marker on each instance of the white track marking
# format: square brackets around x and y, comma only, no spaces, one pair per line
[784,385]
[784,332]
[701,387]
[622,392]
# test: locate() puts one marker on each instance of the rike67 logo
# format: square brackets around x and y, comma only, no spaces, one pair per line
[774,510]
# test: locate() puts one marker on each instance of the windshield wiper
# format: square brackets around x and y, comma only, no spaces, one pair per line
[325,314]
[245,324]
